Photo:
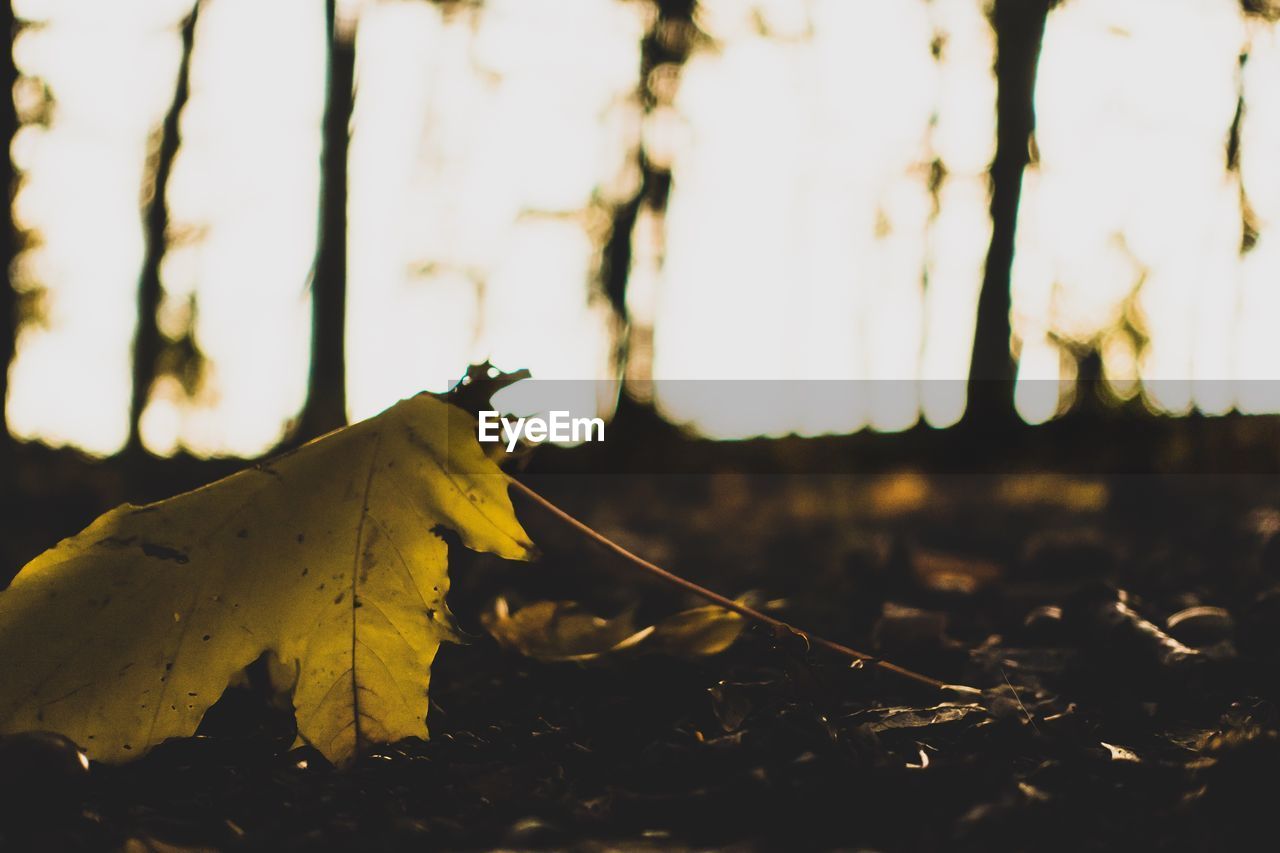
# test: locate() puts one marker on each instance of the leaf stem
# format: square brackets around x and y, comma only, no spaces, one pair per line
[728,603]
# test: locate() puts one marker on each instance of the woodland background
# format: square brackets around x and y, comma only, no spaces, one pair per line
[236,226]
[1033,249]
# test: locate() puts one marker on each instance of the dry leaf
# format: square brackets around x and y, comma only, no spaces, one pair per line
[565,631]
[559,630]
[700,631]
[327,557]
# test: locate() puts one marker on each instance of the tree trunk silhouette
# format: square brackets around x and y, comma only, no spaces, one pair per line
[9,240]
[1019,27]
[146,339]
[326,406]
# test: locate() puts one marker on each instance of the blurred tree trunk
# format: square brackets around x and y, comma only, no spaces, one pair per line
[326,406]
[668,40]
[9,240]
[1019,27]
[146,339]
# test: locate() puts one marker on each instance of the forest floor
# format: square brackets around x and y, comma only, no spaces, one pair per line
[1124,631]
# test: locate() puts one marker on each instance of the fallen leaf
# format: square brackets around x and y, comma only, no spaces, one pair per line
[565,631]
[559,630]
[885,719]
[326,557]
[1120,753]
[699,631]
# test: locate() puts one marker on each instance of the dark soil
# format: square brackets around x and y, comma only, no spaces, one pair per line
[1103,723]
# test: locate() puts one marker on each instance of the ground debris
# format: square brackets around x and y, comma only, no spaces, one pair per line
[1107,719]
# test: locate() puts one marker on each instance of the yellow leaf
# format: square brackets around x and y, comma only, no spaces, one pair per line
[706,630]
[560,630]
[327,557]
[565,631]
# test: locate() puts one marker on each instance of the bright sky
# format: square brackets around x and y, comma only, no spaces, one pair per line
[1131,224]
[482,157]
[801,229]
[802,240]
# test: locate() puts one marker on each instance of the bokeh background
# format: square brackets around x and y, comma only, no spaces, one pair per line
[997,281]
[236,222]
